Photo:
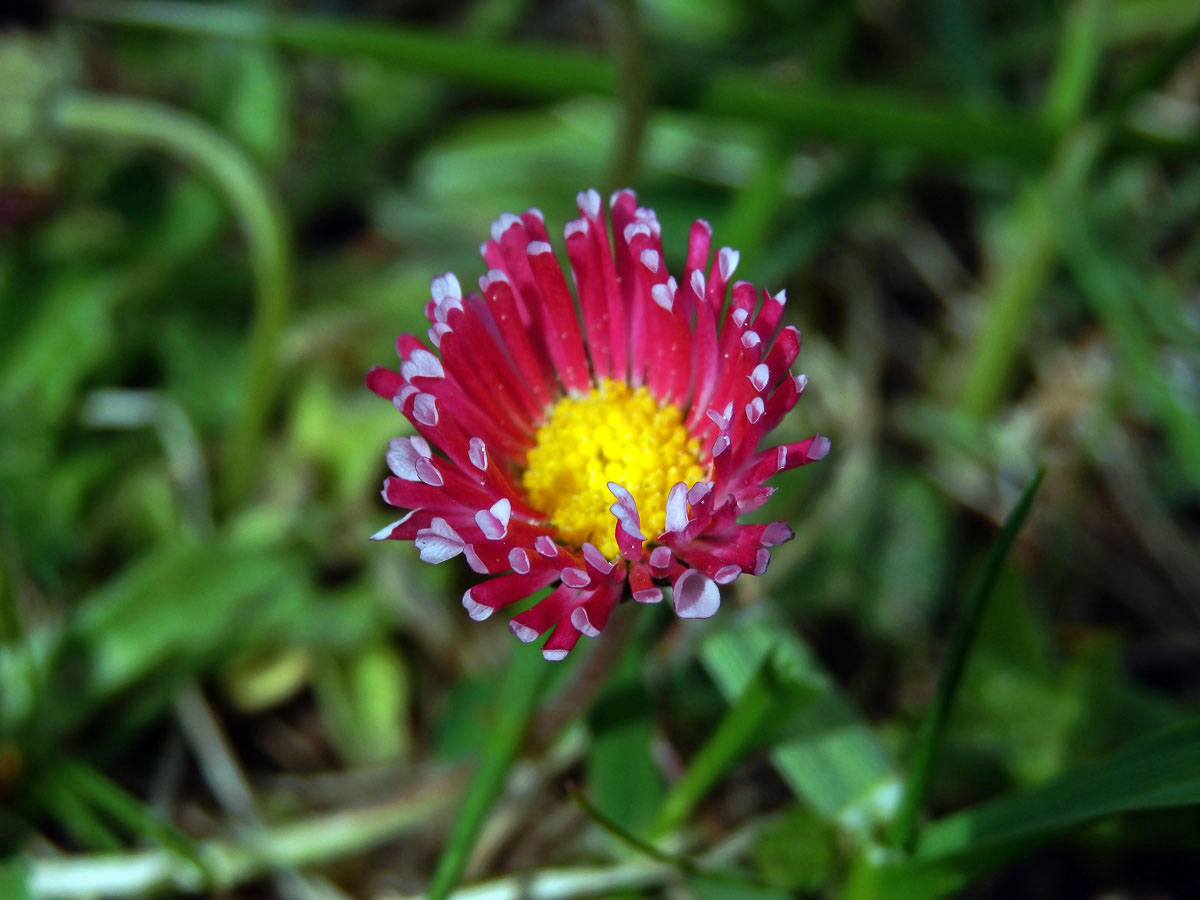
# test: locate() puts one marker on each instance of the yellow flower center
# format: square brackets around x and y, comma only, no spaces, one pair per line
[615,433]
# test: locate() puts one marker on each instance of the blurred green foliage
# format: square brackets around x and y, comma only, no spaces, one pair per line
[214,217]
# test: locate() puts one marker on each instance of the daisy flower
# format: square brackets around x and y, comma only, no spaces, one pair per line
[604,443]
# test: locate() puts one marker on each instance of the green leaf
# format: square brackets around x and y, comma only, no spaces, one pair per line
[622,778]
[1084,34]
[181,610]
[120,807]
[364,702]
[731,886]
[881,117]
[1161,771]
[1109,284]
[69,333]
[258,99]
[830,757]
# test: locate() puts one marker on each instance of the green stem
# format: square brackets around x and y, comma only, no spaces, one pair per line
[615,828]
[258,211]
[1084,37]
[1023,266]
[1012,287]
[524,683]
[634,92]
[774,692]
[903,831]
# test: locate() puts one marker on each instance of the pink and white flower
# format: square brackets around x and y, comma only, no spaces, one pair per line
[603,444]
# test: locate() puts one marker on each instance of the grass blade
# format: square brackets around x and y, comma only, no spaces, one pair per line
[1083,38]
[879,117]
[524,682]
[772,695]
[1159,772]
[127,811]
[965,629]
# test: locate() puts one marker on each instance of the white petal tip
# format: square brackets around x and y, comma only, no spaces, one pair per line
[477,611]
[382,533]
[727,574]
[696,596]
[650,595]
[589,202]
[662,296]
[580,620]
[727,261]
[523,633]
[615,196]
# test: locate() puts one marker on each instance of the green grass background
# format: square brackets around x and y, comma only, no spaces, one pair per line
[215,217]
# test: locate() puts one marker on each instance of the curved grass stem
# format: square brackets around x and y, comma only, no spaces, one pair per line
[257,210]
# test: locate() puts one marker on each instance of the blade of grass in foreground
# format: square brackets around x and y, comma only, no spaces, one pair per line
[524,684]
[965,629]
[1156,773]
[1159,772]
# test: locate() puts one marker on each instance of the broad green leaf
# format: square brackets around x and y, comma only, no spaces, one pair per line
[182,609]
[830,759]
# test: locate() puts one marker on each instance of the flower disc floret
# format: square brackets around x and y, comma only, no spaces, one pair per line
[613,434]
[603,444]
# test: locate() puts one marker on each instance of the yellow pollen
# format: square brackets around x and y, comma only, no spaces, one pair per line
[615,433]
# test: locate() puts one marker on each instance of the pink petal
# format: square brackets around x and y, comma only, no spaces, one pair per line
[494,522]
[439,542]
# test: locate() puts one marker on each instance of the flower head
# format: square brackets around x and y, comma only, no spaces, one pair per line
[608,458]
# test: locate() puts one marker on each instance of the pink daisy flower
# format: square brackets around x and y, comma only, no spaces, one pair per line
[605,443]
